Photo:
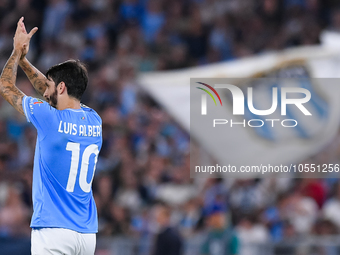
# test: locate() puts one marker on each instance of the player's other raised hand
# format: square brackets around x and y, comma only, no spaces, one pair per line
[22,38]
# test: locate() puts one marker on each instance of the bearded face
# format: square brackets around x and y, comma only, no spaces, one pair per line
[53,99]
[51,93]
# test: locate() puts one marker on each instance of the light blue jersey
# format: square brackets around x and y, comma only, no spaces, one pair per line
[66,154]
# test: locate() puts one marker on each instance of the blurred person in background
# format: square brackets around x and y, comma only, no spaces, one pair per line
[220,239]
[301,210]
[274,217]
[14,214]
[253,235]
[190,217]
[168,241]
[331,208]
[315,189]
[246,196]
[324,228]
[287,245]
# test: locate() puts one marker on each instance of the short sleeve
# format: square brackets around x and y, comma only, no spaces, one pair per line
[39,113]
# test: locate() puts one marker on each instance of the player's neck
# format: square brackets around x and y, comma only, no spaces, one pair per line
[70,103]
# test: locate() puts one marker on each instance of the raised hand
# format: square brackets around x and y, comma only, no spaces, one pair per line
[21,46]
[22,38]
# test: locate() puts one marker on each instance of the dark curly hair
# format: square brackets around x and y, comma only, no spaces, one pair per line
[73,73]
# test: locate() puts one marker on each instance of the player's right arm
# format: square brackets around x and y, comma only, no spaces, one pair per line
[37,79]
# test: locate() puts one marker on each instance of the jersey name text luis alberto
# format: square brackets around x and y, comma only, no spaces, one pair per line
[82,130]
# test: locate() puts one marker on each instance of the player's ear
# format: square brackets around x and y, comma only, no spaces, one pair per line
[61,88]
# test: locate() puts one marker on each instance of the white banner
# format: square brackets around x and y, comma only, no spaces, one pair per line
[171,89]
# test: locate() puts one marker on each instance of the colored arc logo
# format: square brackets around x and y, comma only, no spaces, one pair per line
[38,102]
[209,92]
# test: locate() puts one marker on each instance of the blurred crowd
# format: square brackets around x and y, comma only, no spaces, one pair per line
[144,161]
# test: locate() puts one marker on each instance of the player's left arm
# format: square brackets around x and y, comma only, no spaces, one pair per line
[8,90]
[8,77]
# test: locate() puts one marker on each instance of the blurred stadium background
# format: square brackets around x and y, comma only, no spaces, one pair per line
[143,179]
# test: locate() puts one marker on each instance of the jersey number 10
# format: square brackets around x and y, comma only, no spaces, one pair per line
[75,149]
